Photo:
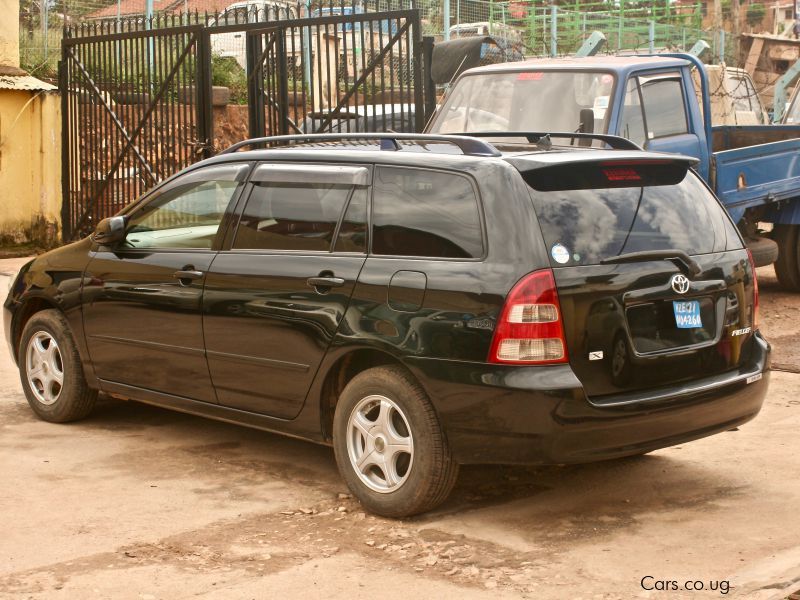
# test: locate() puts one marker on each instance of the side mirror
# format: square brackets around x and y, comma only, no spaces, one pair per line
[587,125]
[109,231]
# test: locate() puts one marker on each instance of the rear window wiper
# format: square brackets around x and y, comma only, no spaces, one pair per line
[684,262]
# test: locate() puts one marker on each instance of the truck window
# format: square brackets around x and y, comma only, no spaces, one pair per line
[502,101]
[664,108]
[632,120]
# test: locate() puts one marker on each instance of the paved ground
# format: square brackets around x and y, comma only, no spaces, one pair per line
[142,503]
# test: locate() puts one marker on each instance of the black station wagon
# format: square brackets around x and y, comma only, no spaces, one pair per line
[416,301]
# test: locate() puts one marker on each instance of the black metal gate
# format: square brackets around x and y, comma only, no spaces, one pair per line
[350,73]
[136,103]
[136,109]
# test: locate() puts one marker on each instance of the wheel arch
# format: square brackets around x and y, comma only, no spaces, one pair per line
[339,374]
[28,308]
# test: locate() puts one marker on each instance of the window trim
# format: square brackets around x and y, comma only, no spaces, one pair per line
[354,176]
[481,217]
[172,181]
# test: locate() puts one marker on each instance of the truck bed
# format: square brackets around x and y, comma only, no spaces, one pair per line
[755,165]
[730,137]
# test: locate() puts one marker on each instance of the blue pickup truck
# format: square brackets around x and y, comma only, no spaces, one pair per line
[652,101]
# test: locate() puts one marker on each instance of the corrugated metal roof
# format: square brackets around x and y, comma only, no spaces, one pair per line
[24,82]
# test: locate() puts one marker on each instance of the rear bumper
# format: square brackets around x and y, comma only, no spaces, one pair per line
[540,415]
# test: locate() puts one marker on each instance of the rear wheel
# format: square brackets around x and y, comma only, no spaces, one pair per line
[389,446]
[787,267]
[51,371]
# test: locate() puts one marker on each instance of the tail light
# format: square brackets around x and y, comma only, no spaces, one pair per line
[755,289]
[530,329]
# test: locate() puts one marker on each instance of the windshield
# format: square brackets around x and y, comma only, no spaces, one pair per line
[525,101]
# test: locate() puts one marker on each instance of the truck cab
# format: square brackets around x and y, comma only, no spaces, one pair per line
[641,99]
[654,102]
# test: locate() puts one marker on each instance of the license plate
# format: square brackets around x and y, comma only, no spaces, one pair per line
[687,314]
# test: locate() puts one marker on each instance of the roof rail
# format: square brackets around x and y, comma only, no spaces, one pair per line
[536,137]
[389,141]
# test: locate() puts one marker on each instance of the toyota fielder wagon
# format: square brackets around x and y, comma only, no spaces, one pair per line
[417,302]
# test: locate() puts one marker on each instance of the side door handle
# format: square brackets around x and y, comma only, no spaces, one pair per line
[325,282]
[187,275]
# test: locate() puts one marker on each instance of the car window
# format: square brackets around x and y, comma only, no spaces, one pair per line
[291,216]
[664,108]
[188,213]
[632,120]
[421,212]
[352,236]
[584,226]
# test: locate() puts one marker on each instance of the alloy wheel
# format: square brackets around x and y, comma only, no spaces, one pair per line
[44,368]
[379,444]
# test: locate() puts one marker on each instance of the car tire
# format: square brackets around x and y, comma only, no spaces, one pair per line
[51,371]
[385,422]
[787,267]
[763,250]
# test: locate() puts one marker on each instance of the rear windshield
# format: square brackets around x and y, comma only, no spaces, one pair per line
[583,227]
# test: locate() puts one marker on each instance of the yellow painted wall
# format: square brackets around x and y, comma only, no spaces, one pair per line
[30,167]
[9,33]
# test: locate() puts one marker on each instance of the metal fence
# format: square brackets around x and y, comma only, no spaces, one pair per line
[137,93]
[543,28]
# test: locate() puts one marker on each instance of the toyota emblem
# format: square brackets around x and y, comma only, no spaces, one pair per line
[680,283]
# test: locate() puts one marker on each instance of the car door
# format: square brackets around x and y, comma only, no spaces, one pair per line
[142,298]
[276,294]
[655,115]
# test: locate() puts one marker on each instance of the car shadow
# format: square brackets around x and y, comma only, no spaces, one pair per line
[571,501]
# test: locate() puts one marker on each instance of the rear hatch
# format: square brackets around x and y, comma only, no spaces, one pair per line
[654,284]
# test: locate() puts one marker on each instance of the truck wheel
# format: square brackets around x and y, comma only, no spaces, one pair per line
[787,267]
[389,446]
[51,372]
[764,250]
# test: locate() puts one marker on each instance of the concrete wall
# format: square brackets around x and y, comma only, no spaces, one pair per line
[9,32]
[30,167]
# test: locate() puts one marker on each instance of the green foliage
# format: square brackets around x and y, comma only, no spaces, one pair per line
[755,14]
[225,71]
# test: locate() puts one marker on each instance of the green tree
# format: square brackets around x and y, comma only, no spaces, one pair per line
[755,14]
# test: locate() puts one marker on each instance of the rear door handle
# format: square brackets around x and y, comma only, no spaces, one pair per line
[190,275]
[325,282]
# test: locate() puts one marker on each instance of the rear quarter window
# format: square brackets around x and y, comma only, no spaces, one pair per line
[425,213]
[585,226]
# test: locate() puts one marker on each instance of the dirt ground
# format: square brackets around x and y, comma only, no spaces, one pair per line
[141,503]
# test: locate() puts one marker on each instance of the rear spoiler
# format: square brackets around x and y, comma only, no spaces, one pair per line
[601,169]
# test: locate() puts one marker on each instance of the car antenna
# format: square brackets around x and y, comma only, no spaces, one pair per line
[446,91]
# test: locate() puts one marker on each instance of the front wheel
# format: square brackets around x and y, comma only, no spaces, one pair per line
[389,446]
[50,370]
